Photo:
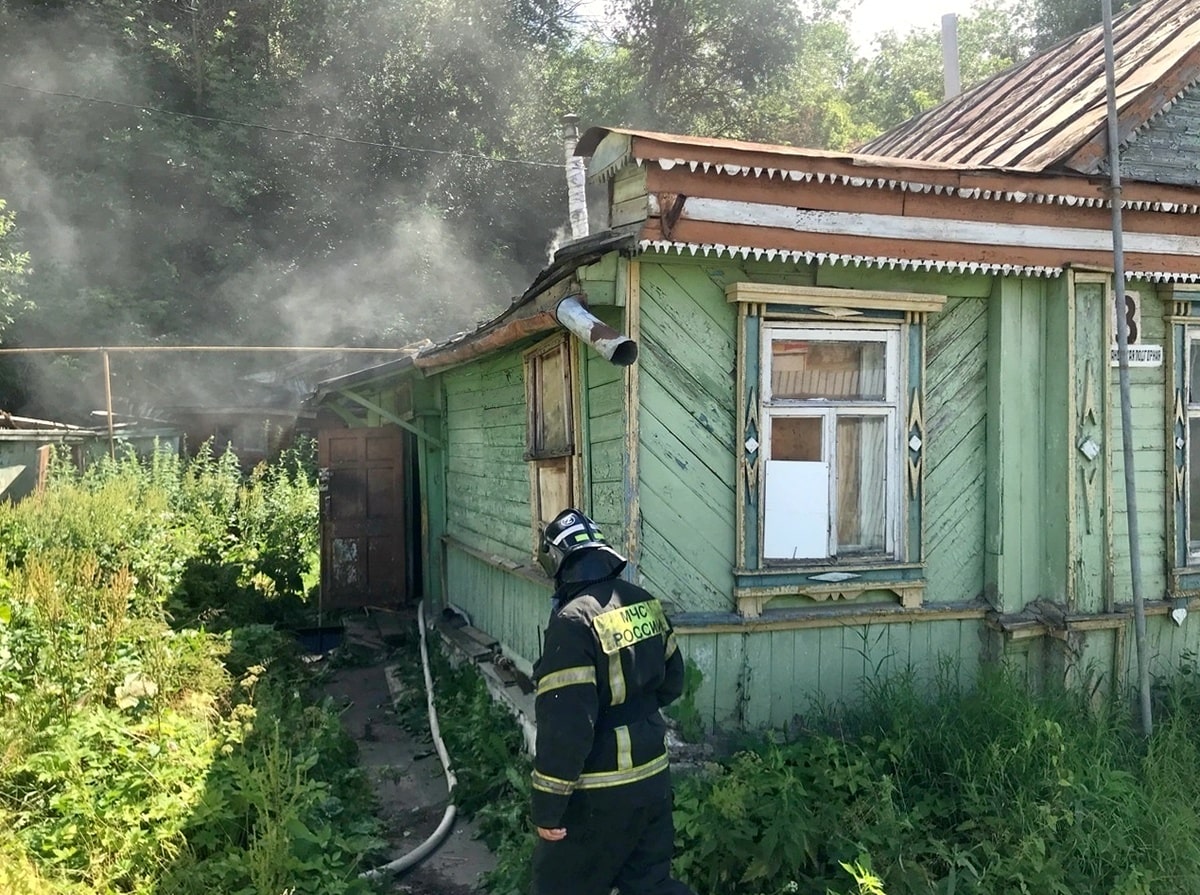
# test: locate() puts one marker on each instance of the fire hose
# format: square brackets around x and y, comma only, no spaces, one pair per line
[434,842]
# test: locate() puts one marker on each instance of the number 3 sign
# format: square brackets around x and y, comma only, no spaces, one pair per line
[1133,317]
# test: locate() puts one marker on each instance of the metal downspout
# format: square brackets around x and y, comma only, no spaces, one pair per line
[610,344]
[1135,558]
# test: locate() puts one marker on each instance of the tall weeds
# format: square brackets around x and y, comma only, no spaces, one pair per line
[985,789]
[152,738]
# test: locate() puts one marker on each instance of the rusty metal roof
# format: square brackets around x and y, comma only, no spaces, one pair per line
[1049,112]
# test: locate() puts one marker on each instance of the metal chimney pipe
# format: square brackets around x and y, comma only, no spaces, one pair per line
[952,82]
[610,344]
[576,178]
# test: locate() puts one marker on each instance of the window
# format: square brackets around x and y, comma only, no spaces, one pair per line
[831,435]
[1192,360]
[831,446]
[1182,358]
[551,441]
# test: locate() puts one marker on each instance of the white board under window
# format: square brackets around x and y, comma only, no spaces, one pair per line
[796,510]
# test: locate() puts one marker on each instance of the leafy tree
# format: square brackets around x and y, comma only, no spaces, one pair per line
[204,207]
[14,266]
[1053,20]
[701,64]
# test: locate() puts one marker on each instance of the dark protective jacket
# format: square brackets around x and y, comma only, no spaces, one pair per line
[609,663]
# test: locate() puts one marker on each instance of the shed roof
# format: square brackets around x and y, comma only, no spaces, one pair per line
[1048,113]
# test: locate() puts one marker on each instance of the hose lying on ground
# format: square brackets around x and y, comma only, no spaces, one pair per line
[434,842]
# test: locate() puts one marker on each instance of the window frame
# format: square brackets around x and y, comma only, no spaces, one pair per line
[542,462]
[1191,411]
[900,577]
[831,411]
[1182,313]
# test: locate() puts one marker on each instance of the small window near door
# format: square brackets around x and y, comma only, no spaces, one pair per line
[551,442]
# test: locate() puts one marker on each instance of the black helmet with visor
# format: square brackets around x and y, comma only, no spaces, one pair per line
[568,534]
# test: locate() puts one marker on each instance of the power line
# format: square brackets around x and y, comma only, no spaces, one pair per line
[283,130]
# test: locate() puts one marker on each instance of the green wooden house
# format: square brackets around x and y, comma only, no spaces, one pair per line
[872,422]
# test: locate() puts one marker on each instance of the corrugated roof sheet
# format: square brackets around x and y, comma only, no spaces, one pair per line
[1048,113]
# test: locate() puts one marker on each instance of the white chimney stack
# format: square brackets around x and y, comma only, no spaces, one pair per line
[951,81]
[576,178]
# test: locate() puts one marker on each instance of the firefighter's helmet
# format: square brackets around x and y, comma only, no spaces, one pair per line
[569,533]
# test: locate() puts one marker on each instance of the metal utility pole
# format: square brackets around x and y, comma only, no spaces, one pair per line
[1135,557]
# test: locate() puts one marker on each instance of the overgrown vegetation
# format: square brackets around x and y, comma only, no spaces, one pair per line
[489,759]
[981,788]
[154,736]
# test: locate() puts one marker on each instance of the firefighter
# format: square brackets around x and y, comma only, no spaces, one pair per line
[601,785]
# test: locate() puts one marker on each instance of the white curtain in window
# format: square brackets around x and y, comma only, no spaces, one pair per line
[862,484]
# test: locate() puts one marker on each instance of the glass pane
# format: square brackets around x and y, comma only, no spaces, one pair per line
[1193,395]
[796,438]
[804,368]
[862,484]
[552,420]
[1194,483]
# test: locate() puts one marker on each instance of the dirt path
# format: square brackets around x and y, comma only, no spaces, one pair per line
[407,775]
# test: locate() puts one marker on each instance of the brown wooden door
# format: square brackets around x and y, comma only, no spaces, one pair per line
[362,517]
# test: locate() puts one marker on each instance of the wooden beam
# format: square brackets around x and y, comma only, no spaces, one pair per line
[703,233]
[347,417]
[390,417]
[835,197]
[818,296]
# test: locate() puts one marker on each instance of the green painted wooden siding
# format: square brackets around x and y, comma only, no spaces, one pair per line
[487,480]
[1167,643]
[786,674]
[605,424]
[1150,459]
[998,455]
[511,608]
[687,431]
[956,450]
[1015,444]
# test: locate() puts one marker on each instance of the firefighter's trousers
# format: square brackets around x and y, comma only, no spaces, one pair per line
[610,846]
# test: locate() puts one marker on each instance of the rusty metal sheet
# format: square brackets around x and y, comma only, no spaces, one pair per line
[1049,111]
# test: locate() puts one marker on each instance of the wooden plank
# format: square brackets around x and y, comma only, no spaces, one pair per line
[601,372]
[699,471]
[608,426]
[694,383]
[786,686]
[825,648]
[695,304]
[700,533]
[955,338]
[607,457]
[630,183]
[708,428]
[668,570]
[730,668]
[758,695]
[899,655]
[630,211]
[701,649]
